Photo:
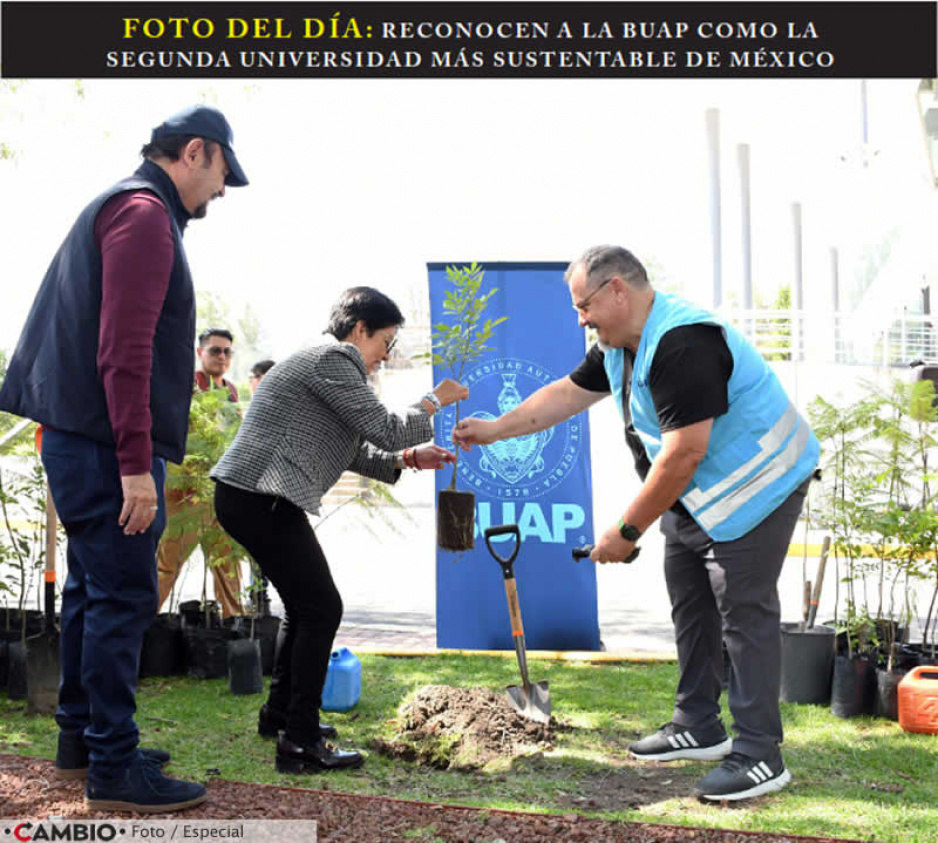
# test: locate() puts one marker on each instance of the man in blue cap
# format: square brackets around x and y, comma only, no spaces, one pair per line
[105,365]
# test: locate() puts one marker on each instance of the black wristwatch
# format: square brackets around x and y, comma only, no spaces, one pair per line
[628,532]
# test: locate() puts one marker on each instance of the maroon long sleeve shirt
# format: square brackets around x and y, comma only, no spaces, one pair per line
[133,234]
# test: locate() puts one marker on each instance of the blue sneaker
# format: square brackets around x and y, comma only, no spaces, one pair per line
[71,756]
[143,788]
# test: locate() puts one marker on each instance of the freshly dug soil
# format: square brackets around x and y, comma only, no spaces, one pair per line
[28,790]
[463,729]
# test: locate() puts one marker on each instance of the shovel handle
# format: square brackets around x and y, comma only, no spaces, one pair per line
[819,581]
[51,521]
[514,608]
[504,530]
[584,552]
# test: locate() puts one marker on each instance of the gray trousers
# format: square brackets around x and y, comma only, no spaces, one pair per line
[728,591]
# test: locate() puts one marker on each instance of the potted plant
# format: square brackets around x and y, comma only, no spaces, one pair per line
[22,556]
[213,422]
[245,657]
[456,343]
[882,514]
[846,493]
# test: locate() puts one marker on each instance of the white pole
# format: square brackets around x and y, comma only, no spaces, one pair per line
[713,148]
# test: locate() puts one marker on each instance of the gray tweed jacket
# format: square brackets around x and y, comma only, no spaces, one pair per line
[312,417]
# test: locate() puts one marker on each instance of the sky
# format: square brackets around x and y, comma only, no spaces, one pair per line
[365,181]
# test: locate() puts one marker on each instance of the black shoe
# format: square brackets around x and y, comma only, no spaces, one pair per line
[742,777]
[672,742]
[141,787]
[71,757]
[271,723]
[320,757]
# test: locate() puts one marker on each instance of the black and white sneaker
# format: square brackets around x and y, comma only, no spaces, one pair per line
[742,777]
[672,743]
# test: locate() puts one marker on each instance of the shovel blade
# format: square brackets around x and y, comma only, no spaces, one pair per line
[534,706]
[42,665]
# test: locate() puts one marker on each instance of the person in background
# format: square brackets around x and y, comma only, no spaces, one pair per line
[314,417]
[258,370]
[105,365]
[725,460]
[215,352]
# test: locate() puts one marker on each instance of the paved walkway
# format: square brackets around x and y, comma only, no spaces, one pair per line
[386,573]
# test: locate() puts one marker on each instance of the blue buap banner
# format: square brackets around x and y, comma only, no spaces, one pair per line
[541,481]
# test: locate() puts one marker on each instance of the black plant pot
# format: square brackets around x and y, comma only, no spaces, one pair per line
[4,662]
[244,666]
[807,664]
[192,614]
[455,520]
[11,623]
[887,694]
[17,672]
[916,654]
[905,657]
[207,651]
[265,631]
[164,650]
[853,691]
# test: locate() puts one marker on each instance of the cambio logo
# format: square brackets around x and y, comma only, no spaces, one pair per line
[28,831]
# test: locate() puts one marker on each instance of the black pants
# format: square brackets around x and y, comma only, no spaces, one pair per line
[728,591]
[279,537]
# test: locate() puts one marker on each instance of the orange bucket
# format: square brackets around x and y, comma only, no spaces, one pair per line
[918,700]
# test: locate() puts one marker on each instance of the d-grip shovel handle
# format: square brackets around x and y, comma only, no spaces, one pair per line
[585,551]
[504,530]
[511,592]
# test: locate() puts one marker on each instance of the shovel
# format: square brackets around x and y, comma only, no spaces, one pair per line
[819,581]
[42,650]
[530,700]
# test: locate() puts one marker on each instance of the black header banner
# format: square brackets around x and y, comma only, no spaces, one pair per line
[663,40]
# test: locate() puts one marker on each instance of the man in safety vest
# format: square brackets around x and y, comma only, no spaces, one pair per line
[725,460]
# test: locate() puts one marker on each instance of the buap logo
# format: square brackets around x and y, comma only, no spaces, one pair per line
[525,467]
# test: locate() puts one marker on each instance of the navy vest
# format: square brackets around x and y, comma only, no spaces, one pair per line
[53,376]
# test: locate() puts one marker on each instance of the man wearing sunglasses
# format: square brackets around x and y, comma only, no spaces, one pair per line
[215,353]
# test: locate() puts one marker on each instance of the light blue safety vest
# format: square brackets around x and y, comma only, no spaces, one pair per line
[760,450]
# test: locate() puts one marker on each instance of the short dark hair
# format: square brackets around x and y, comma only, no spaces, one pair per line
[601,262]
[215,332]
[364,304]
[261,367]
[170,147]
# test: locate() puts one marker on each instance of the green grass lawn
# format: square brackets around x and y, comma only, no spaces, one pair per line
[860,778]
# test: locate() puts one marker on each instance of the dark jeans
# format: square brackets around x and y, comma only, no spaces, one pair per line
[728,591]
[109,599]
[279,537]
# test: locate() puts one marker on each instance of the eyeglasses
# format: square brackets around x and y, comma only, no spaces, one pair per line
[217,351]
[389,343]
[583,305]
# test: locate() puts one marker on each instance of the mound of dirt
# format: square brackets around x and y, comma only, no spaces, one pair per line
[463,729]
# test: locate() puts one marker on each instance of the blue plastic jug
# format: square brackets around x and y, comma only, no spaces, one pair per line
[343,686]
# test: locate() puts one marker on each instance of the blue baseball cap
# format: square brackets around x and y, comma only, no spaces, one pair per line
[204,121]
